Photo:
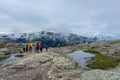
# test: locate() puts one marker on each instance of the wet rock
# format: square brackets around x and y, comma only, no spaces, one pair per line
[64,63]
[19,55]
[100,75]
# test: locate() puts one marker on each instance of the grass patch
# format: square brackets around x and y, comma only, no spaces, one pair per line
[101,61]
[114,42]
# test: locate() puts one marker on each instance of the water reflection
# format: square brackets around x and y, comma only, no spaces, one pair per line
[81,57]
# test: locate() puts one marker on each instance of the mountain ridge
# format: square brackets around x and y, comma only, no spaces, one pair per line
[49,38]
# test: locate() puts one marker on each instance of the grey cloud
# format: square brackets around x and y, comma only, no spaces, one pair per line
[77,16]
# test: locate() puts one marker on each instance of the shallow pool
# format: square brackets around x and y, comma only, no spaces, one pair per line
[81,57]
[10,59]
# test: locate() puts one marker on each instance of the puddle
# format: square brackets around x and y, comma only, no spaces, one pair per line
[81,57]
[10,59]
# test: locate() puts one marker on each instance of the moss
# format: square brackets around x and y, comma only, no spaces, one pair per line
[2,58]
[101,61]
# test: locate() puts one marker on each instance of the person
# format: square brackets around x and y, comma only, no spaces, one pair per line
[41,49]
[30,47]
[37,48]
[24,49]
[46,48]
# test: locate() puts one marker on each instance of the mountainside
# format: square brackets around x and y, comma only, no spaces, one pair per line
[48,38]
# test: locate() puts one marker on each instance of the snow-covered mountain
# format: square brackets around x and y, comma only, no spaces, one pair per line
[31,35]
[50,38]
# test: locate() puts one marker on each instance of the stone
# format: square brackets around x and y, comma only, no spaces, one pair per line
[15,75]
[107,45]
[44,58]
[100,75]
[19,55]
[117,52]
[4,51]
[64,63]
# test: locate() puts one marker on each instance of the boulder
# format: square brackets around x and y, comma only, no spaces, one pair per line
[100,75]
[64,63]
[44,58]
[4,51]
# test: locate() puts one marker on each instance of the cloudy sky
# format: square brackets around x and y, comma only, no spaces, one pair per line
[85,17]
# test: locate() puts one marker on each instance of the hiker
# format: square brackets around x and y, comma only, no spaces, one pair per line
[46,47]
[30,47]
[26,48]
[37,47]
[41,49]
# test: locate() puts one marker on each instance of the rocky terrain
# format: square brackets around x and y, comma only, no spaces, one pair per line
[55,65]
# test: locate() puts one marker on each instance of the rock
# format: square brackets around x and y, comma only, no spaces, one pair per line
[93,46]
[64,63]
[104,52]
[107,45]
[31,66]
[19,65]
[15,75]
[44,58]
[117,52]
[4,51]
[3,43]
[54,54]
[112,51]
[19,55]
[27,74]
[100,75]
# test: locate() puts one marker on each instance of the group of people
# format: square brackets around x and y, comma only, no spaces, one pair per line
[29,47]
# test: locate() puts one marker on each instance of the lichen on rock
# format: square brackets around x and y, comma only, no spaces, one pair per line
[64,63]
[100,75]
